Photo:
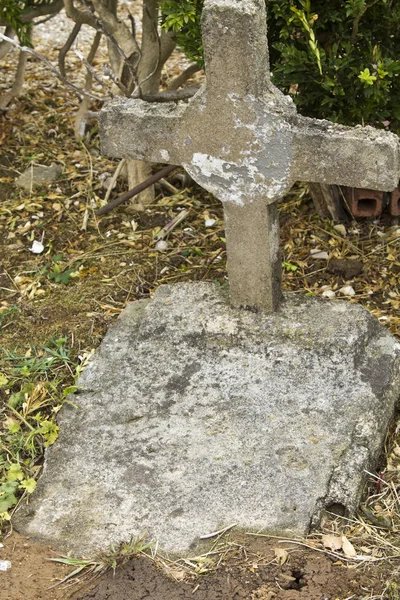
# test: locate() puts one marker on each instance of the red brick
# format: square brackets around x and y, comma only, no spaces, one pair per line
[363,203]
[394,204]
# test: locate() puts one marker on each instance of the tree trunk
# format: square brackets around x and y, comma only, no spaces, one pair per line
[155,51]
[5,46]
[328,201]
[12,93]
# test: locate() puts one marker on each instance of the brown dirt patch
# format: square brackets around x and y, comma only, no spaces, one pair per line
[30,574]
[249,571]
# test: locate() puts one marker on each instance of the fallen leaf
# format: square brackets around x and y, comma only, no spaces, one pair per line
[348,547]
[281,554]
[319,254]
[341,229]
[333,542]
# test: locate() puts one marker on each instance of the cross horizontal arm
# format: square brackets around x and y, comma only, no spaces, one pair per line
[141,130]
[328,153]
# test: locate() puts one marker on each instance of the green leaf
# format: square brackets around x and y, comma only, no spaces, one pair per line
[3,380]
[49,431]
[70,390]
[16,399]
[14,427]
[15,472]
[289,266]
[366,77]
[7,502]
[29,485]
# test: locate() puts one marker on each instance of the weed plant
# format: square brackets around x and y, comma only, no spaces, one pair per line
[33,387]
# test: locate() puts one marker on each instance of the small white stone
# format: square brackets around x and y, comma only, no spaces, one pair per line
[328,294]
[5,565]
[37,247]
[210,222]
[162,245]
[347,290]
[319,254]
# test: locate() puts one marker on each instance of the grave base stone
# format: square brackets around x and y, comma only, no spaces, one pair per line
[195,415]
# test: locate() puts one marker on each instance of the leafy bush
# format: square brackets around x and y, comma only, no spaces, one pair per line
[339,59]
[11,12]
[358,46]
[183,18]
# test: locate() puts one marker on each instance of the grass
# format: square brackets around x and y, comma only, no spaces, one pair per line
[92,568]
[33,388]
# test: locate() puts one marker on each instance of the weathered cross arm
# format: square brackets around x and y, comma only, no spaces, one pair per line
[354,156]
[141,130]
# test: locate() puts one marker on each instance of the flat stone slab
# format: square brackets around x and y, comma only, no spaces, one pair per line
[194,415]
[39,175]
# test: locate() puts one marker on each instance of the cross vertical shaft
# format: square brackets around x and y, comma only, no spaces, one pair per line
[252,240]
[235,48]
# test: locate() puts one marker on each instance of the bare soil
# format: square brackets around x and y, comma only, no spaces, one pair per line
[250,571]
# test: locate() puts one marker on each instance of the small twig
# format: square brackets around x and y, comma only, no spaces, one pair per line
[108,71]
[358,558]
[66,48]
[136,190]
[184,76]
[168,186]
[88,62]
[215,533]
[171,225]
[114,179]
[52,68]
[211,262]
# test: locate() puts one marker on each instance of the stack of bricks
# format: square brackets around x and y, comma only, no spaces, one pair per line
[370,203]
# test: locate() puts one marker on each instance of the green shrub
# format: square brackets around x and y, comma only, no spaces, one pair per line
[339,59]
[11,12]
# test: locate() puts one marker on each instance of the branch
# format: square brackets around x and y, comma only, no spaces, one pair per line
[42,9]
[38,11]
[117,29]
[136,190]
[184,76]
[52,68]
[171,96]
[156,49]
[79,16]
[67,46]
[80,121]
[115,41]
[168,44]
[88,62]
[356,22]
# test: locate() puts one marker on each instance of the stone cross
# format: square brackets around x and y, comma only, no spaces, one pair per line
[241,139]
